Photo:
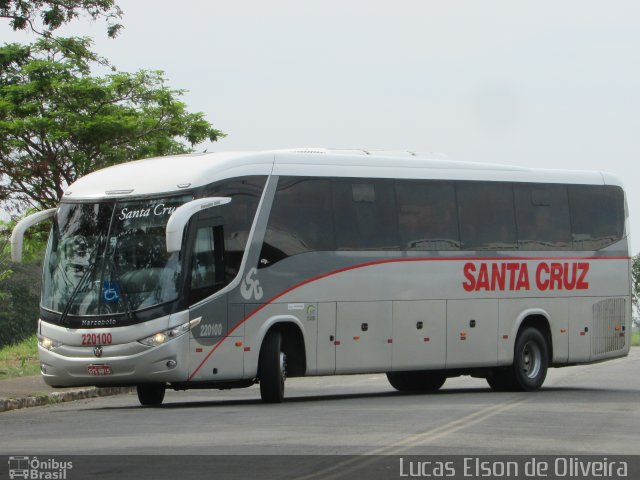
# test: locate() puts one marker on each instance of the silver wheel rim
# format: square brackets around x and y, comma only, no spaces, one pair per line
[531,359]
[283,366]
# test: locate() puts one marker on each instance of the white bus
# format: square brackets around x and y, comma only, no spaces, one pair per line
[225,270]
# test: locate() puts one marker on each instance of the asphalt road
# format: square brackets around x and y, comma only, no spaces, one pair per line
[592,409]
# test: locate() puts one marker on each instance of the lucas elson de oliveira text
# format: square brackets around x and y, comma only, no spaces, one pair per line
[474,467]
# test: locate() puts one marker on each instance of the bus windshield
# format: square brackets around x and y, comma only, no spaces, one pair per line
[109,258]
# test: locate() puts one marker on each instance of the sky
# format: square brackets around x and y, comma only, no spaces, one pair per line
[543,84]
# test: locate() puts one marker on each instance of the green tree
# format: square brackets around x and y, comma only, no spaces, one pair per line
[5,267]
[58,122]
[20,284]
[45,16]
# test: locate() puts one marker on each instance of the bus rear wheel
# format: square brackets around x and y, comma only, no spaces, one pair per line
[151,395]
[531,360]
[272,368]
[418,382]
[530,364]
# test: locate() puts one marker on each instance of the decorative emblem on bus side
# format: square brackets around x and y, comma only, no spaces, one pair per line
[97,351]
[251,287]
[312,313]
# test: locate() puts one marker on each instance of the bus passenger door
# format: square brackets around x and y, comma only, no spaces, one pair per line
[205,276]
[472,333]
[326,339]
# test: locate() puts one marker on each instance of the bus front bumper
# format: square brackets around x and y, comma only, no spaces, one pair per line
[162,364]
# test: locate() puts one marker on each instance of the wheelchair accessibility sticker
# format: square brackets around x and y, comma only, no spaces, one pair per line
[110,291]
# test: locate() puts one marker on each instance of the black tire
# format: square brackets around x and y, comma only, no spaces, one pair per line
[530,360]
[151,395]
[530,364]
[272,368]
[416,382]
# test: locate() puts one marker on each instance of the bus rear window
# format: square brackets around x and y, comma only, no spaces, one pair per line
[597,215]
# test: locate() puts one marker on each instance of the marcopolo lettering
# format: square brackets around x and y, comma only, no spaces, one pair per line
[517,276]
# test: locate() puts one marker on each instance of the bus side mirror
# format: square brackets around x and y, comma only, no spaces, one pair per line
[17,235]
[180,217]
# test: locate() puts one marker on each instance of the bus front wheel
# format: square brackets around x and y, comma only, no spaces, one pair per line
[272,368]
[151,395]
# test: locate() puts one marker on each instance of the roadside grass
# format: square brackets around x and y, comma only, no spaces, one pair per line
[20,360]
[635,339]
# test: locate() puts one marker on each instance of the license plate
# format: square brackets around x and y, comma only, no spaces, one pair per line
[99,369]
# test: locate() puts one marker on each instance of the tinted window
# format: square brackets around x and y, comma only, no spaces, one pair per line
[487,220]
[111,258]
[427,216]
[365,214]
[542,215]
[77,242]
[207,274]
[597,215]
[202,263]
[245,193]
[300,219]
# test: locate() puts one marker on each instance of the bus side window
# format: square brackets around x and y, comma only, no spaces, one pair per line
[487,217]
[427,215]
[300,220]
[238,215]
[365,214]
[207,274]
[542,216]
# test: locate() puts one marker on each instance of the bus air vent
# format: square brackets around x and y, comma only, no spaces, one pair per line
[608,315]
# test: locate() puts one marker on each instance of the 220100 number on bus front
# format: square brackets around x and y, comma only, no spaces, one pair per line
[96,339]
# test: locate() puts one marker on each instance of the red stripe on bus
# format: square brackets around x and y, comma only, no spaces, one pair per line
[382,262]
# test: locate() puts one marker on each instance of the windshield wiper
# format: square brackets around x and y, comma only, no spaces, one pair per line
[79,286]
[123,294]
[82,283]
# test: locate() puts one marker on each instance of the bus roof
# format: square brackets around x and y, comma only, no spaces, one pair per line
[179,172]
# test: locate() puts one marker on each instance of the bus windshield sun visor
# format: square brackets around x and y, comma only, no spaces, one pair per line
[180,217]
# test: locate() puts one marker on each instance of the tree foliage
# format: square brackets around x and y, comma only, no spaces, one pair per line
[5,267]
[58,122]
[19,307]
[35,242]
[20,283]
[45,16]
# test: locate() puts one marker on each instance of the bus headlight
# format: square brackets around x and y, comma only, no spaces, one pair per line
[160,338]
[47,343]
